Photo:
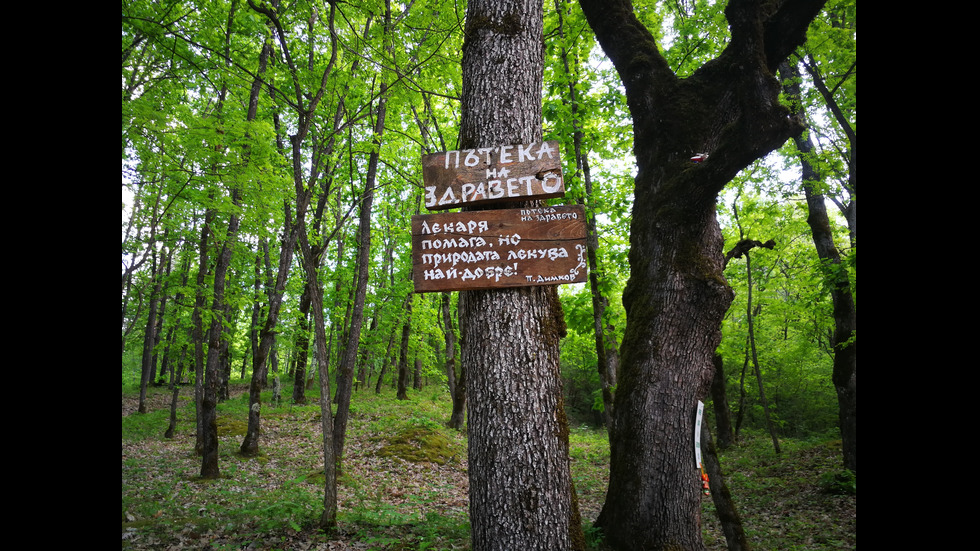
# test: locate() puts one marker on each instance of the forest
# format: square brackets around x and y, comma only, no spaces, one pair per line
[288,384]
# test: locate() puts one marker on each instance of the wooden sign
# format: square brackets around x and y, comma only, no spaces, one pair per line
[498,248]
[492,174]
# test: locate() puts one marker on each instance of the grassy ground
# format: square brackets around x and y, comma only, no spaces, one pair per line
[404,484]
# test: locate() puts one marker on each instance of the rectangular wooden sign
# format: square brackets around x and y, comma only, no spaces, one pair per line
[457,251]
[492,174]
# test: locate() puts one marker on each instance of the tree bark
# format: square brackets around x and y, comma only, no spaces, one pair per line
[719,399]
[199,334]
[345,371]
[209,397]
[607,353]
[302,346]
[457,384]
[403,351]
[845,311]
[328,520]
[677,296]
[521,493]
[149,336]
[731,521]
[305,105]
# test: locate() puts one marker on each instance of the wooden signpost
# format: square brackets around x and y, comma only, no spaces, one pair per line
[467,177]
[491,249]
[498,248]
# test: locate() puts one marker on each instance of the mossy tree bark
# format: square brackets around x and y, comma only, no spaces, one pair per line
[677,296]
[521,494]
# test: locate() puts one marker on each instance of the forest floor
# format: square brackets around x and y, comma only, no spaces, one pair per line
[404,483]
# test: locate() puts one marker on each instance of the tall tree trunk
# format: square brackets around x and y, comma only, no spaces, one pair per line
[457,384]
[755,354]
[845,311]
[403,351]
[719,399]
[227,334]
[607,353]
[521,492]
[149,336]
[209,398]
[302,344]
[731,521]
[345,370]
[199,333]
[267,335]
[164,273]
[677,295]
[328,520]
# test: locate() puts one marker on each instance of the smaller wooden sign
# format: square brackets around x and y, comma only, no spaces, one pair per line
[498,248]
[492,174]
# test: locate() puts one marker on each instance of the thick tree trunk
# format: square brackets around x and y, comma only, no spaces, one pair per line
[677,296]
[521,494]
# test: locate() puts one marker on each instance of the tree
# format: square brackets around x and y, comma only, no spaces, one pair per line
[607,355]
[836,277]
[677,296]
[457,384]
[305,102]
[521,494]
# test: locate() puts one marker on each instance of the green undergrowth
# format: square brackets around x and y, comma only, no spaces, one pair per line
[784,499]
[274,500]
[403,480]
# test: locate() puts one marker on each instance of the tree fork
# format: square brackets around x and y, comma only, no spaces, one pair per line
[677,296]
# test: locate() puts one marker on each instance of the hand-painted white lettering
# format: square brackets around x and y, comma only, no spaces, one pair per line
[455,162]
[486,151]
[508,239]
[555,185]
[545,150]
[496,192]
[505,154]
[551,254]
[448,197]
[524,153]
[528,181]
